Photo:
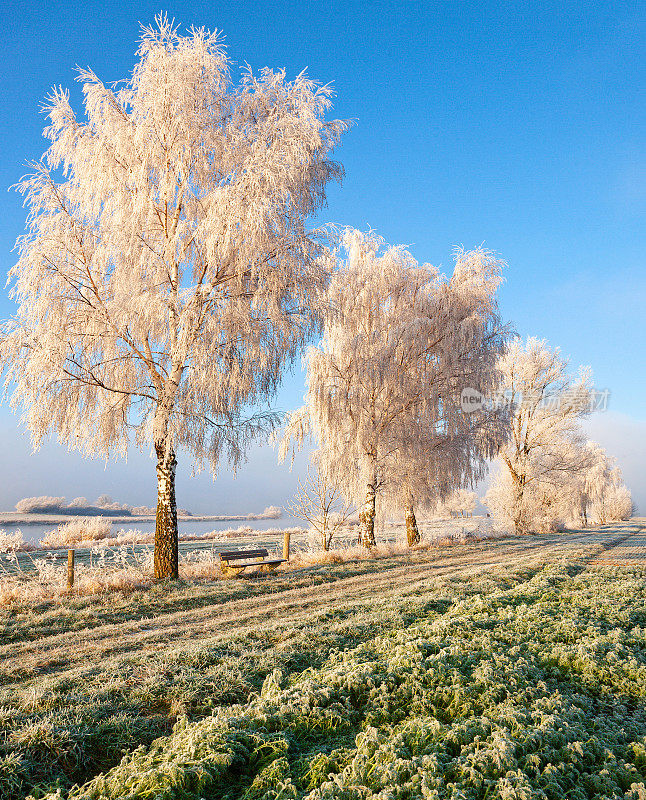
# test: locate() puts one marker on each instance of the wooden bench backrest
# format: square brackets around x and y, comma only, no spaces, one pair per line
[238,554]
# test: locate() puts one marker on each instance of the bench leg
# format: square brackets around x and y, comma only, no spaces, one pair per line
[231,572]
[267,568]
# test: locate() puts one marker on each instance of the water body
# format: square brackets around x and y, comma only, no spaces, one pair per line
[34,532]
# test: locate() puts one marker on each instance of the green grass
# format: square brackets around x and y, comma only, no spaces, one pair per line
[430,676]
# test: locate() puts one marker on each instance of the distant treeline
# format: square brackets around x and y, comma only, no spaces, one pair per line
[103,506]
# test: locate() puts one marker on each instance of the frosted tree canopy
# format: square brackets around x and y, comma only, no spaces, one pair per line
[167,274]
[400,343]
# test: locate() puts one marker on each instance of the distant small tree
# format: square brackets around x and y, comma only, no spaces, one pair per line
[320,503]
[167,275]
[546,448]
[459,503]
[616,502]
[600,491]
[400,343]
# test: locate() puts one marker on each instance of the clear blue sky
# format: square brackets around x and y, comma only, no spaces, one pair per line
[518,125]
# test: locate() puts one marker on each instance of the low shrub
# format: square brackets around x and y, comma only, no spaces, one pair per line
[13,542]
[83,529]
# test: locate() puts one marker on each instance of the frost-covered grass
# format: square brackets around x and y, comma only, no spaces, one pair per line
[124,561]
[436,535]
[27,577]
[84,529]
[13,542]
[533,691]
[120,562]
[497,697]
[452,665]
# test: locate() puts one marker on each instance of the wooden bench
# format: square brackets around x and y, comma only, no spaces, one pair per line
[260,560]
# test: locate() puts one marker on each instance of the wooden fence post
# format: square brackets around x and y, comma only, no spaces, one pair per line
[70,569]
[286,545]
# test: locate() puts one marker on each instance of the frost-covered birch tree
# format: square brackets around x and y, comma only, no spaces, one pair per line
[318,501]
[592,493]
[588,486]
[546,448]
[400,343]
[436,458]
[615,501]
[460,503]
[598,492]
[167,273]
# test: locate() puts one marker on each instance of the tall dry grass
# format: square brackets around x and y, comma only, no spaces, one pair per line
[84,529]
[14,542]
[87,533]
[27,578]
[342,551]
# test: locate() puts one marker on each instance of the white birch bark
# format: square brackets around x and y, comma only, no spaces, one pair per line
[369,510]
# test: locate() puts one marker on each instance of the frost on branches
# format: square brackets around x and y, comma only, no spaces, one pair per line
[548,474]
[167,274]
[599,495]
[400,343]
[319,502]
[460,503]
[546,445]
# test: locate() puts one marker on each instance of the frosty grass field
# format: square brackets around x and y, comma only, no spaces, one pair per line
[511,669]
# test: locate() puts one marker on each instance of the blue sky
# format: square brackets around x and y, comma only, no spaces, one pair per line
[516,125]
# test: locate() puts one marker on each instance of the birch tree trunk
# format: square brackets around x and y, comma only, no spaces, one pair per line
[367,515]
[519,487]
[166,534]
[412,531]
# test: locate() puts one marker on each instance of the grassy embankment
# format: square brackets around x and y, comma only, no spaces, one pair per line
[504,669]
